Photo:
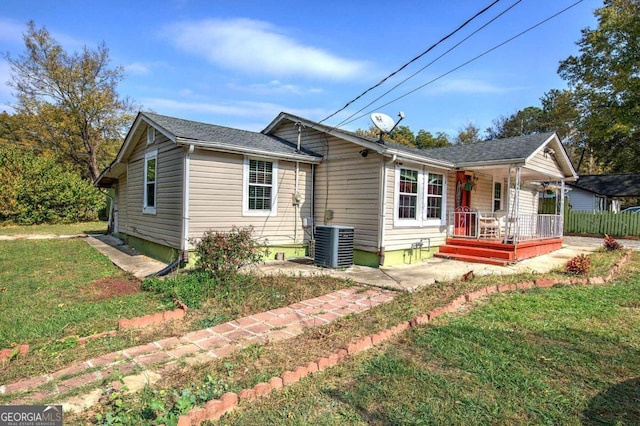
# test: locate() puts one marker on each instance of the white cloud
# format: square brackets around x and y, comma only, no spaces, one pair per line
[247,109]
[137,68]
[11,31]
[275,87]
[467,85]
[258,47]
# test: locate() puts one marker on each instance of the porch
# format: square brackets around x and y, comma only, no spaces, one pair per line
[482,237]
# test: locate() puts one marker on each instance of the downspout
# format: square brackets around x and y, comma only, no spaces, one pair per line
[562,208]
[185,205]
[296,193]
[383,208]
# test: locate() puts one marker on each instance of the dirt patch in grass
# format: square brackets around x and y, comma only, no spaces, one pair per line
[113,286]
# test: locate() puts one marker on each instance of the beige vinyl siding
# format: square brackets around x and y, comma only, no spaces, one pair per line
[346,185]
[401,237]
[216,197]
[545,163]
[122,203]
[482,194]
[165,226]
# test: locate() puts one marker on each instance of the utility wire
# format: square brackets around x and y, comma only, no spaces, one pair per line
[470,60]
[412,60]
[346,120]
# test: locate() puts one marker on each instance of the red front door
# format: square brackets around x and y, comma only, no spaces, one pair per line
[464,217]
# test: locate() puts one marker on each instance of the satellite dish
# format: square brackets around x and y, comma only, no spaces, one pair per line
[383,122]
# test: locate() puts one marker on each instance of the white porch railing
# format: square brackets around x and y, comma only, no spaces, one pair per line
[470,223]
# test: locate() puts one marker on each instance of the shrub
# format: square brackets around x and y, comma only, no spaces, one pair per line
[223,253]
[579,265]
[611,244]
[35,189]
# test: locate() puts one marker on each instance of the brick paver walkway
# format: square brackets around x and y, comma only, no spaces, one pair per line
[198,346]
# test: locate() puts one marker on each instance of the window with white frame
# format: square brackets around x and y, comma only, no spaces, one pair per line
[150,180]
[420,199]
[408,194]
[260,187]
[497,196]
[434,196]
[151,135]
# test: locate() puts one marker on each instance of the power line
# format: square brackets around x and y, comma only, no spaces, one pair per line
[346,120]
[469,61]
[412,60]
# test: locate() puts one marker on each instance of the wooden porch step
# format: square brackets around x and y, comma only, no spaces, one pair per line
[473,259]
[476,251]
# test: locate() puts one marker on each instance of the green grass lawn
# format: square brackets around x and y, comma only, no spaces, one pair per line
[46,292]
[568,355]
[60,229]
[547,356]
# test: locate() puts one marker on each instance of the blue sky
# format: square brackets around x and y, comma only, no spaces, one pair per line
[239,63]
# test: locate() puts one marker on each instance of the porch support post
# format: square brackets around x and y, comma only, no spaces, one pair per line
[507,222]
[517,205]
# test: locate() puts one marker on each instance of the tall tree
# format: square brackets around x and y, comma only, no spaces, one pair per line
[605,78]
[401,134]
[69,100]
[524,122]
[468,134]
[425,139]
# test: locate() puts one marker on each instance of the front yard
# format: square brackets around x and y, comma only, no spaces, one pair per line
[54,291]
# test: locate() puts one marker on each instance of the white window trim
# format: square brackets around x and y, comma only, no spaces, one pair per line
[245,189]
[151,135]
[443,211]
[493,196]
[150,209]
[421,219]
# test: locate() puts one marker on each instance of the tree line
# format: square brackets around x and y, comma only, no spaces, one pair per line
[69,113]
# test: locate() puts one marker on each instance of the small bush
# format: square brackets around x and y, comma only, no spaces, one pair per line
[610,243]
[223,253]
[579,265]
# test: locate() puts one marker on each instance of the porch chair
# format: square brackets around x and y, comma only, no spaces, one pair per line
[489,227]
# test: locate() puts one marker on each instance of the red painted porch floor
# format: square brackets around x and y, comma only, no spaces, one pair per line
[496,252]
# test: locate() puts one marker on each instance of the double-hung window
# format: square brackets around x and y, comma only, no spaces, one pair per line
[434,196]
[408,194]
[150,182]
[497,196]
[420,199]
[260,187]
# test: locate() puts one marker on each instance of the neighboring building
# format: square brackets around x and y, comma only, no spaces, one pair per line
[599,193]
[174,179]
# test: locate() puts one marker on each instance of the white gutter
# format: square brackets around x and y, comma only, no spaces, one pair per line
[383,207]
[251,151]
[185,201]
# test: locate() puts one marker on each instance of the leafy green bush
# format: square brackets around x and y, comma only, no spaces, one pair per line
[223,253]
[35,189]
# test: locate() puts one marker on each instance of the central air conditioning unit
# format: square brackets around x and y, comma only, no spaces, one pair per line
[334,246]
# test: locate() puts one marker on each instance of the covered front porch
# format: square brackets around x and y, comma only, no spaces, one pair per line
[505,227]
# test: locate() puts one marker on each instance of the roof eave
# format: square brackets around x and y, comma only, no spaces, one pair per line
[218,146]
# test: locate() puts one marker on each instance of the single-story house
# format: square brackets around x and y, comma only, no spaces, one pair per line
[174,179]
[599,193]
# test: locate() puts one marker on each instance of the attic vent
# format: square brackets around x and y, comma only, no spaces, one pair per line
[334,246]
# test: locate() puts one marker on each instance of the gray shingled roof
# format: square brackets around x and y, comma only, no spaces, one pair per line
[612,185]
[516,148]
[210,135]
